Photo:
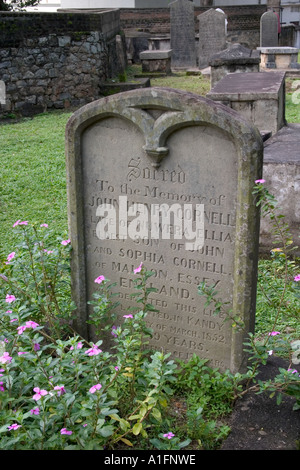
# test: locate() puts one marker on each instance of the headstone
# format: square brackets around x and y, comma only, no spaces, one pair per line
[212,35]
[269,29]
[166,153]
[182,30]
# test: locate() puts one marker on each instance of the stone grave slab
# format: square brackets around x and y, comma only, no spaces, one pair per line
[258,96]
[182,34]
[188,160]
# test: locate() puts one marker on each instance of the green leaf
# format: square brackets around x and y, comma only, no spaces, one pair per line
[279,398]
[126,441]
[137,428]
[156,413]
[106,431]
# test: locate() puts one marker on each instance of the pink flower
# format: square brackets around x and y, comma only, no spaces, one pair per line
[94,351]
[274,333]
[2,389]
[99,279]
[13,427]
[25,222]
[65,431]
[138,270]
[21,329]
[36,346]
[169,435]
[20,353]
[10,257]
[116,368]
[39,393]
[60,390]
[28,324]
[10,298]
[66,242]
[35,411]
[2,370]
[297,278]
[5,358]
[31,324]
[128,316]
[94,388]
[48,251]
[79,346]
[13,320]
[44,225]
[260,181]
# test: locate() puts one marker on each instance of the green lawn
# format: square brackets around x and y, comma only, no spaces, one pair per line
[33,177]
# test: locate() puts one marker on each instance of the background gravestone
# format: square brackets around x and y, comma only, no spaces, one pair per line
[182,31]
[212,35]
[162,146]
[269,30]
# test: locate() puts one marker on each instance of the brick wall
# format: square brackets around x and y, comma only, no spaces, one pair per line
[56,60]
[243,21]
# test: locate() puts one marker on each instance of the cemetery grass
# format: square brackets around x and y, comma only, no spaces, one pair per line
[33,188]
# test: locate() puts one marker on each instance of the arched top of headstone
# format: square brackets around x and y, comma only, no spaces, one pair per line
[174,109]
[212,12]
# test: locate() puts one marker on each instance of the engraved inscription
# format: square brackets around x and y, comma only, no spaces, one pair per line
[183,182]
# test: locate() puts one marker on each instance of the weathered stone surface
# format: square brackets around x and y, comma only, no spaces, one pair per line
[62,53]
[182,30]
[161,146]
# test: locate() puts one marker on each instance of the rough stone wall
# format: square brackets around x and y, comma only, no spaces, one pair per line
[56,60]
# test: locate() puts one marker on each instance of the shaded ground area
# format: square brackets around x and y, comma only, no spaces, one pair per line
[258,423]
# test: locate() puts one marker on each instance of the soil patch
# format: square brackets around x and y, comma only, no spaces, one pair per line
[258,423]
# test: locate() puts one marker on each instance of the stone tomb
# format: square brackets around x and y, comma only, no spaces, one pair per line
[258,96]
[235,59]
[283,58]
[156,61]
[173,151]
